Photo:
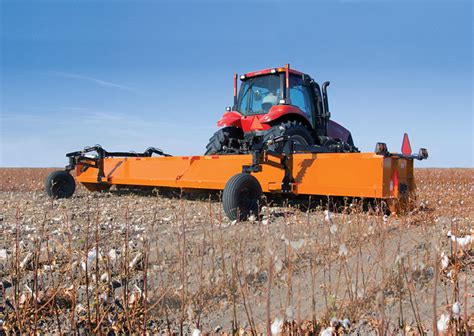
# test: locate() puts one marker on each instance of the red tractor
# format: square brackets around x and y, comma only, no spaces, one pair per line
[279,102]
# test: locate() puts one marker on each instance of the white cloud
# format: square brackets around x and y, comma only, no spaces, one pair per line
[94,80]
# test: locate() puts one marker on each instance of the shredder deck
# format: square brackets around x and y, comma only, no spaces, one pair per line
[365,175]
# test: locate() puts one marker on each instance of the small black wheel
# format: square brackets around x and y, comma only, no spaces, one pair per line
[225,140]
[241,196]
[60,184]
[96,187]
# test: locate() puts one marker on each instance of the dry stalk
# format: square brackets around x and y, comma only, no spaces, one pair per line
[269,294]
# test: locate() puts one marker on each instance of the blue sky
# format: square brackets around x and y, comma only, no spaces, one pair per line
[133,74]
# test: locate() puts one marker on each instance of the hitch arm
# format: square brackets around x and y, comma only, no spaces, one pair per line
[79,157]
[260,154]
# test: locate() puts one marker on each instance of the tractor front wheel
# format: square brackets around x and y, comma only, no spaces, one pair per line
[225,141]
[294,130]
[241,196]
[60,184]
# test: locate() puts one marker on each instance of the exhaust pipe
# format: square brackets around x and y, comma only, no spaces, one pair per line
[324,90]
[235,92]
[326,113]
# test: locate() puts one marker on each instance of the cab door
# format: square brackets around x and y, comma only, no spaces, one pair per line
[302,97]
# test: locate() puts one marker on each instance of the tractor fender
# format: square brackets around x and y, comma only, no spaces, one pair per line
[337,131]
[231,118]
[286,112]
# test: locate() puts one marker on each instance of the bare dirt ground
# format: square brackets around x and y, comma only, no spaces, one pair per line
[132,263]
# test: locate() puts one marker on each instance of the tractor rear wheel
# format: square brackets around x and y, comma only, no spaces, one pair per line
[225,140]
[294,129]
[241,196]
[60,184]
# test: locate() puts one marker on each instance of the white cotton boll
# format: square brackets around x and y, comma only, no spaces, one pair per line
[138,228]
[196,332]
[444,260]
[461,241]
[23,299]
[456,310]
[443,323]
[104,277]
[346,323]
[333,229]
[327,332]
[277,326]
[3,254]
[464,241]
[252,218]
[92,255]
[113,254]
[328,216]
[131,299]
[343,250]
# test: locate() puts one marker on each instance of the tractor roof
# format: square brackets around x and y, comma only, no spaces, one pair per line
[269,71]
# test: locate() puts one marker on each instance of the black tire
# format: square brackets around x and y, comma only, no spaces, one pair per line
[241,197]
[294,129]
[60,184]
[225,137]
[96,187]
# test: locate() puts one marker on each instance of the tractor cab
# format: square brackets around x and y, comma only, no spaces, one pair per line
[259,94]
[278,97]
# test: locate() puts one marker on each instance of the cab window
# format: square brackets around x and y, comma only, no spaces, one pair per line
[300,97]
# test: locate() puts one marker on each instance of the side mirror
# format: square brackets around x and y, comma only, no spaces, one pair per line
[306,80]
[381,148]
[423,153]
